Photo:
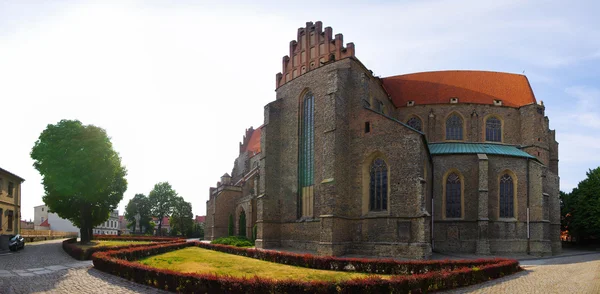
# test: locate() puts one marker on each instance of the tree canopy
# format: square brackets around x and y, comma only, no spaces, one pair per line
[580,209]
[181,220]
[82,174]
[162,198]
[138,205]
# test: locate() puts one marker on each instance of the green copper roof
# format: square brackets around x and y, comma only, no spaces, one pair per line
[474,148]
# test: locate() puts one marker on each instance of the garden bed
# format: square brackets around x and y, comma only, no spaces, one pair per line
[84,252]
[406,277]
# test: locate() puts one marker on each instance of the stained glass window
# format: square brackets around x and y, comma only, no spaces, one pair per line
[378,185]
[493,130]
[454,128]
[415,123]
[306,156]
[507,196]
[453,196]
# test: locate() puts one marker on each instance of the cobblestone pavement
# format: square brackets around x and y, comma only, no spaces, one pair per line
[43,267]
[572,274]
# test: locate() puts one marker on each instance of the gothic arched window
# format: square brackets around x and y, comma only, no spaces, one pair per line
[378,185]
[493,129]
[454,127]
[306,156]
[415,123]
[453,196]
[507,196]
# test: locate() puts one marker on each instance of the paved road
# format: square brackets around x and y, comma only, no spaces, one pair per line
[572,274]
[43,267]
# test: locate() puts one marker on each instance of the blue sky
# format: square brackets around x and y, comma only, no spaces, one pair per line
[176,83]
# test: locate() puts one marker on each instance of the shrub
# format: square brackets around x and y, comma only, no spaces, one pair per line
[71,248]
[135,238]
[237,241]
[254,232]
[230,226]
[119,262]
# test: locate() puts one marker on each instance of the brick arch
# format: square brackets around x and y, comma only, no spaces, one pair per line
[242,208]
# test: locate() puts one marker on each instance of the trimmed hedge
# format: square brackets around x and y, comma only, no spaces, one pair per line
[135,238]
[70,247]
[120,263]
[361,265]
[237,241]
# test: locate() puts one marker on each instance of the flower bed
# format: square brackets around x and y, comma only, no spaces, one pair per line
[428,276]
[71,248]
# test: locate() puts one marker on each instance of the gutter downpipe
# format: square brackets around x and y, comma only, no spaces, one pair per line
[432,206]
[528,230]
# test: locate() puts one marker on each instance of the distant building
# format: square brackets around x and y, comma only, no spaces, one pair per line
[44,220]
[27,225]
[200,219]
[123,225]
[10,203]
[109,227]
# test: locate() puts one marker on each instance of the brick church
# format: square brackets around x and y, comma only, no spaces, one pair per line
[350,163]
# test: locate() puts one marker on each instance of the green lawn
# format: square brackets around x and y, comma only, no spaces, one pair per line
[96,243]
[198,260]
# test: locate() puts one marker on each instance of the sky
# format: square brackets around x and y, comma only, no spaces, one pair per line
[176,83]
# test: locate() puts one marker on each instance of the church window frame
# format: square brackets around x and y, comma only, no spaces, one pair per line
[415,122]
[493,129]
[306,156]
[454,127]
[378,185]
[453,186]
[507,195]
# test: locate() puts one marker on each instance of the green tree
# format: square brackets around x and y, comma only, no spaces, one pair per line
[242,224]
[138,205]
[81,172]
[230,227]
[161,199]
[580,209]
[181,218]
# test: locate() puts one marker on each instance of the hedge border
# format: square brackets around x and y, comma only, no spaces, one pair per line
[74,251]
[135,238]
[122,263]
[361,265]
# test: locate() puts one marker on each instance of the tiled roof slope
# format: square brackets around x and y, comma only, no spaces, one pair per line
[480,87]
[254,142]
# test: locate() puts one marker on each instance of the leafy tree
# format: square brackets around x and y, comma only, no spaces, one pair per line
[580,209]
[197,231]
[138,205]
[161,199]
[230,227]
[81,172]
[242,224]
[181,219]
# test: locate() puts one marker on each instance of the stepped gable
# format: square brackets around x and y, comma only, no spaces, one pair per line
[312,48]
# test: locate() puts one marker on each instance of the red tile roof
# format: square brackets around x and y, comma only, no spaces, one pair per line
[45,224]
[480,87]
[254,142]
[200,219]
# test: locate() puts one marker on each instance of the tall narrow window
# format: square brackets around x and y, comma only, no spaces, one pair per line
[454,127]
[493,130]
[1,216]
[378,185]
[10,220]
[453,196]
[306,156]
[10,189]
[415,123]
[507,196]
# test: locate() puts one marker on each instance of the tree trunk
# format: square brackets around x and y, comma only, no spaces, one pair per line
[83,230]
[159,232]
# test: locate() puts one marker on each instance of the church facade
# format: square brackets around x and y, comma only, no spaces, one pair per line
[350,163]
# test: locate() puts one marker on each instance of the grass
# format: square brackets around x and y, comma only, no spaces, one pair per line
[198,260]
[109,243]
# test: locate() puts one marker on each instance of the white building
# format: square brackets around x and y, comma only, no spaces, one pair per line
[109,227]
[56,223]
